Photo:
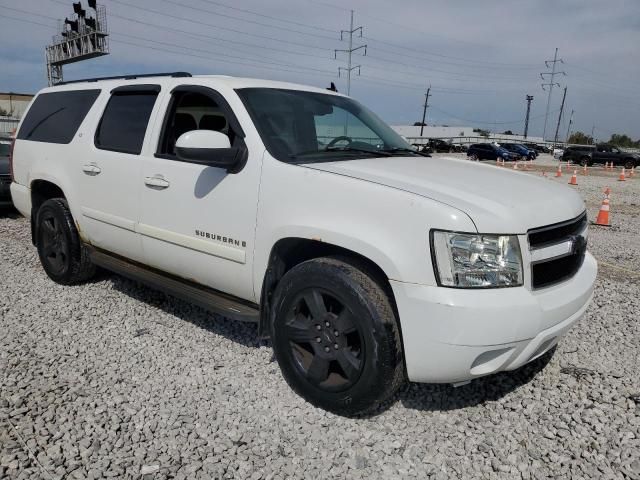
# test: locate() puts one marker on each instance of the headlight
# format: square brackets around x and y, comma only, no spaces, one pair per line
[467,260]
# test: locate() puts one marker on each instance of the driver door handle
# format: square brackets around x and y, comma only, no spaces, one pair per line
[91,169]
[157,182]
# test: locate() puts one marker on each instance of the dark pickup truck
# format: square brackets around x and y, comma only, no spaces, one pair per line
[601,153]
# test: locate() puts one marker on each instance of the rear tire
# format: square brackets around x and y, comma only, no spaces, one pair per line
[336,337]
[629,163]
[63,256]
[585,162]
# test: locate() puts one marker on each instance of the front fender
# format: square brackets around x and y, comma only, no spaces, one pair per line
[388,226]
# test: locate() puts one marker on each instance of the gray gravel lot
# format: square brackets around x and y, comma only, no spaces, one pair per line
[112,379]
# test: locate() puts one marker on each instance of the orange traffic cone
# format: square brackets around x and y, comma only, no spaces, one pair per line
[632,172]
[585,171]
[574,178]
[621,177]
[559,171]
[603,215]
[606,165]
[515,165]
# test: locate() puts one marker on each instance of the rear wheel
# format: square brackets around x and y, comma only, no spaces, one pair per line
[585,161]
[63,257]
[629,163]
[336,337]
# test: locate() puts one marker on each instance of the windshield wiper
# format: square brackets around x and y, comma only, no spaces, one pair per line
[405,150]
[381,153]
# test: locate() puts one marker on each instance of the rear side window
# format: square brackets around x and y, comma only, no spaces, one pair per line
[55,117]
[124,122]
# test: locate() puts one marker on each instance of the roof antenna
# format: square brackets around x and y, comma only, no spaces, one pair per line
[333,87]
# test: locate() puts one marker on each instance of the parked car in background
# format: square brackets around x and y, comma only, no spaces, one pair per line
[440,146]
[537,148]
[601,153]
[490,151]
[521,150]
[558,152]
[5,175]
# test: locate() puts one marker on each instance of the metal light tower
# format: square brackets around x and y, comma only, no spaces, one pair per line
[80,38]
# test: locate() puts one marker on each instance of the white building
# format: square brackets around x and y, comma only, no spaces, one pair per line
[456,135]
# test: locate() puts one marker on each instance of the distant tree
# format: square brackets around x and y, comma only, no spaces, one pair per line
[3,112]
[481,132]
[622,140]
[419,124]
[580,138]
[508,132]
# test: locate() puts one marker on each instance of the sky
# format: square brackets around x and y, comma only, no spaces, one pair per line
[481,58]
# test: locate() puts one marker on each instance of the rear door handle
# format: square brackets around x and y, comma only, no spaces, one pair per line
[91,169]
[157,182]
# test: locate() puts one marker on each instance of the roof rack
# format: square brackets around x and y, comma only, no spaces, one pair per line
[129,77]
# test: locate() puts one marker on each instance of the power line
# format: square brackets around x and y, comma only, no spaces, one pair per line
[219,14]
[211,25]
[278,19]
[551,84]
[275,67]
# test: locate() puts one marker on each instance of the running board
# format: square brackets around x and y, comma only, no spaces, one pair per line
[191,292]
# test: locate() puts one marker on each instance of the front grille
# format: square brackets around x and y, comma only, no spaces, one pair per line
[556,233]
[554,270]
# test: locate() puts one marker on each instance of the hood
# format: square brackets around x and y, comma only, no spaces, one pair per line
[498,200]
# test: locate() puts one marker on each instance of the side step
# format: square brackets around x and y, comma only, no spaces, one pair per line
[191,292]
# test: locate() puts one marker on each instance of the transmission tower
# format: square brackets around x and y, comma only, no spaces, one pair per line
[552,74]
[526,120]
[349,51]
[80,38]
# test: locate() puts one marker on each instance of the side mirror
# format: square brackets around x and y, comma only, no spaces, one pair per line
[207,147]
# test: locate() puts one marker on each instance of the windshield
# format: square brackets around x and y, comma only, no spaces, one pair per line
[4,149]
[298,126]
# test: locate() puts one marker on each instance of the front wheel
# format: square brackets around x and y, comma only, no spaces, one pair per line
[336,336]
[63,257]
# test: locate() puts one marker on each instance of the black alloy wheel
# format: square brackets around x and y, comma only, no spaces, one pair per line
[62,254]
[325,342]
[54,244]
[336,336]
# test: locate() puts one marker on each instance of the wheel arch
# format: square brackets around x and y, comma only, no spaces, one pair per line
[288,252]
[41,191]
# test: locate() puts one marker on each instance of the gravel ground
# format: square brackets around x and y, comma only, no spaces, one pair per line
[112,379]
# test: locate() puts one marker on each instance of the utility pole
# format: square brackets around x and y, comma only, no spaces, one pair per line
[564,95]
[424,111]
[526,120]
[349,51]
[593,140]
[569,127]
[552,74]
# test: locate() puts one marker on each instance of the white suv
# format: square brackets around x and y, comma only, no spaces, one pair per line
[297,208]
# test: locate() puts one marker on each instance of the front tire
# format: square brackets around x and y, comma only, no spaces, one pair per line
[336,337]
[63,257]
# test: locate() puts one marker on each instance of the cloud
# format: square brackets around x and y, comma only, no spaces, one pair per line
[481,58]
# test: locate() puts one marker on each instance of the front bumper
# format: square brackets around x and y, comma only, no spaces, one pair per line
[453,335]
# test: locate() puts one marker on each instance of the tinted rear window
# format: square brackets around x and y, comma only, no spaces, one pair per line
[55,117]
[124,122]
[4,149]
